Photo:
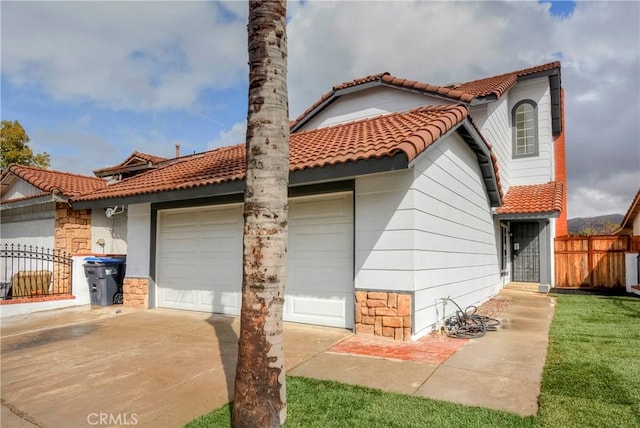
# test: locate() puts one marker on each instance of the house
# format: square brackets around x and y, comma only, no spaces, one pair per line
[136,163]
[40,233]
[631,226]
[36,211]
[401,194]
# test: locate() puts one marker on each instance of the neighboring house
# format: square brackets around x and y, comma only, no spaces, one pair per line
[401,194]
[35,208]
[39,234]
[631,226]
[136,163]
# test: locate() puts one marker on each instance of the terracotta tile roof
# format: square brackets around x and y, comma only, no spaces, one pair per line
[498,85]
[48,181]
[377,137]
[464,92]
[533,198]
[134,159]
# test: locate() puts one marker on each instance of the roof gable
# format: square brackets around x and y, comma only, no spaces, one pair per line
[386,136]
[476,91]
[632,213]
[50,181]
[137,161]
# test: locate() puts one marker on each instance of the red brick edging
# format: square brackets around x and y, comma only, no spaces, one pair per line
[37,299]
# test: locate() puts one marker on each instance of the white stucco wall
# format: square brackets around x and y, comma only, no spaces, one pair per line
[636,225]
[21,189]
[370,103]
[494,121]
[536,169]
[38,233]
[384,232]
[456,249]
[631,276]
[79,287]
[428,231]
[112,230]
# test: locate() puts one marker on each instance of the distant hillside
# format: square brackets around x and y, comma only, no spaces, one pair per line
[576,225]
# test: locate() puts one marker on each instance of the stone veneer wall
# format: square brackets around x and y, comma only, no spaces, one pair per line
[72,231]
[136,292]
[72,234]
[384,314]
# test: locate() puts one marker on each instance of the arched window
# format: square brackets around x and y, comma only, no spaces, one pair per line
[524,121]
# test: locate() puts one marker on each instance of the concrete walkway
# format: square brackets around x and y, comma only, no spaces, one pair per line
[501,370]
[116,366]
[164,368]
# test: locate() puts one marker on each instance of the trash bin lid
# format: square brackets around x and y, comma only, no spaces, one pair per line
[103,260]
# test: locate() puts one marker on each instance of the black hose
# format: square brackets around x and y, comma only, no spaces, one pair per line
[467,324]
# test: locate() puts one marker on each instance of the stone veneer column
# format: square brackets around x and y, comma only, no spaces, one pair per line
[72,234]
[72,230]
[384,314]
[136,292]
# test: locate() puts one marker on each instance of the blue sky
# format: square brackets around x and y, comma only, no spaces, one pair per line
[563,9]
[93,81]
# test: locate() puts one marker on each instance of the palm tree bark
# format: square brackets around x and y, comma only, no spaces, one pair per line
[260,395]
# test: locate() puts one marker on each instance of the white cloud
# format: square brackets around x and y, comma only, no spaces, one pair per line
[442,42]
[126,55]
[236,135]
[168,55]
[609,197]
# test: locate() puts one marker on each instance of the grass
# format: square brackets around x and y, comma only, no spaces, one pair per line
[591,379]
[592,374]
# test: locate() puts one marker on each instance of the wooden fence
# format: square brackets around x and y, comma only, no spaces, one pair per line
[590,262]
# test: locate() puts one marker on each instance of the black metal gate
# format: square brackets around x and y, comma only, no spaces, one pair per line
[29,272]
[525,250]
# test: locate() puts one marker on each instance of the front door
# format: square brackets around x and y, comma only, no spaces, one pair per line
[525,250]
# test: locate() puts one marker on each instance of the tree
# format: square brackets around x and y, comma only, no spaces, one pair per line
[260,393]
[15,149]
[607,228]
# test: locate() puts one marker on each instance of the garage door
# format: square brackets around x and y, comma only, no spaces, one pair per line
[38,233]
[200,260]
[199,265]
[320,261]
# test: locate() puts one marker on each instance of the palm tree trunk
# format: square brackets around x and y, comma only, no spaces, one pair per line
[260,397]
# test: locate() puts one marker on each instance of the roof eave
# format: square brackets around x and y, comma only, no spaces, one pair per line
[122,170]
[323,174]
[471,136]
[31,201]
[527,216]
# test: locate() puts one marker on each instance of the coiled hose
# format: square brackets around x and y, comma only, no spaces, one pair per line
[468,324]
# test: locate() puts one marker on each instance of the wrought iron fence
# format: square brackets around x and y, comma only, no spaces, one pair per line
[27,271]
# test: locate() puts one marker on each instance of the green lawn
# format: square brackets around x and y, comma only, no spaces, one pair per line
[591,379]
[592,374]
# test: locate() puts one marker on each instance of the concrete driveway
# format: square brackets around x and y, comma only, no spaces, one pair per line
[118,366]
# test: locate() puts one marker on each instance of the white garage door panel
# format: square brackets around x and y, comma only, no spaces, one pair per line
[318,309]
[200,260]
[320,261]
[37,233]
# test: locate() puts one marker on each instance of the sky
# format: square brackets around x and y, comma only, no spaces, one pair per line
[91,82]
